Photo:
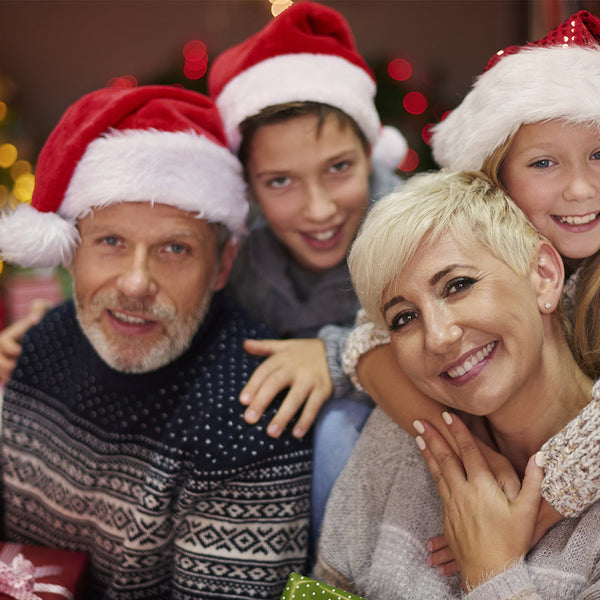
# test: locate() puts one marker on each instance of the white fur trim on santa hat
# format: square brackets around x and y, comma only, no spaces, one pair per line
[533,85]
[390,147]
[31,238]
[297,78]
[181,169]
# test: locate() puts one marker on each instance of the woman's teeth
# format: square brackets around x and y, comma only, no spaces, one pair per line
[470,362]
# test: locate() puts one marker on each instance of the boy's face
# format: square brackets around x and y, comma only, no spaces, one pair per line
[143,277]
[312,186]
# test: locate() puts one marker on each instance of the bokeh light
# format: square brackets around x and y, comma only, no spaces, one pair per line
[427,132]
[196,59]
[21,167]
[400,69]
[410,162]
[124,81]
[23,188]
[278,6]
[8,155]
[3,110]
[415,103]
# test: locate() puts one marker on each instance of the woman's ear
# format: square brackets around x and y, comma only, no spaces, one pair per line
[549,277]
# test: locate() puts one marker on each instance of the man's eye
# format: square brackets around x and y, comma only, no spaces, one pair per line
[111,240]
[176,248]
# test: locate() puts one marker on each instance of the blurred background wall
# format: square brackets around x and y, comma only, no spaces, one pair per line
[53,51]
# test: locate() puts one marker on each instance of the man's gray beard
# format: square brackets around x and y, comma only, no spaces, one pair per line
[163,352]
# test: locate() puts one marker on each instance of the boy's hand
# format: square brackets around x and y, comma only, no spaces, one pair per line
[11,336]
[301,365]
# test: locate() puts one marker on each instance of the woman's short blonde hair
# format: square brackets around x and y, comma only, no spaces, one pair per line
[465,204]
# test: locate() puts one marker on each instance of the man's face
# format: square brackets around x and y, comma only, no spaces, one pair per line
[143,278]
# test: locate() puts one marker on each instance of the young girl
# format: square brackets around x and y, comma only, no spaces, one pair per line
[532,123]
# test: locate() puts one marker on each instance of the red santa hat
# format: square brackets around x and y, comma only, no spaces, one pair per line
[306,53]
[159,144]
[557,77]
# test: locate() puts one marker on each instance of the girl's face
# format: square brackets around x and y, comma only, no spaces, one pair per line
[312,186]
[552,172]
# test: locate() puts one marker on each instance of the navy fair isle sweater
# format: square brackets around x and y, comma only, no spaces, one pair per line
[156,476]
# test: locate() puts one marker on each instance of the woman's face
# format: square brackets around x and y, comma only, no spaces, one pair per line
[464,326]
[312,186]
[552,172]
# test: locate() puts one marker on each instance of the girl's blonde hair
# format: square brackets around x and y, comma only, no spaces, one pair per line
[465,204]
[585,329]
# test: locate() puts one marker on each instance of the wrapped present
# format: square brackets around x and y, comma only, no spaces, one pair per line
[299,587]
[36,573]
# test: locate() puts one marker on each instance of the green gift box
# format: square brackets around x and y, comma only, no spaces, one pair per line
[299,587]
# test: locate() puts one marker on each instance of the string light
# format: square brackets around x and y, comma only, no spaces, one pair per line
[278,6]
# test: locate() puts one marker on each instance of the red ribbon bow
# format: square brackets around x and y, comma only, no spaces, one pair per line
[18,576]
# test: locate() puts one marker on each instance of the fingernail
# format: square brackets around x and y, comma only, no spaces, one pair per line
[419,426]
[298,432]
[245,398]
[420,442]
[447,418]
[250,416]
[273,430]
[540,459]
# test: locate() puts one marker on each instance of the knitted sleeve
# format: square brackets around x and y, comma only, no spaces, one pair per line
[335,337]
[572,473]
[365,336]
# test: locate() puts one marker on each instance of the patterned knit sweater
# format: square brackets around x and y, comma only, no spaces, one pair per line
[385,507]
[156,476]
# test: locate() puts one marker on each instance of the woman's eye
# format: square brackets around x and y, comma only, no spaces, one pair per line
[596,155]
[402,319]
[458,285]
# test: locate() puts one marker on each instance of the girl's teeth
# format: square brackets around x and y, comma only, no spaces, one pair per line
[578,220]
[470,362]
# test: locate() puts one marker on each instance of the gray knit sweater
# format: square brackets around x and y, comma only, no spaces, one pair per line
[385,507]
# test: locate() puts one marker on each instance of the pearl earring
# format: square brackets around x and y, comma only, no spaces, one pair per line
[547,306]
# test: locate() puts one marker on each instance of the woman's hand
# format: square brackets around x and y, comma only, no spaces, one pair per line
[301,365]
[485,530]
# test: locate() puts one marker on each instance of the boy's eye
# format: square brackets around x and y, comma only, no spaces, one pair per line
[278,182]
[458,285]
[338,167]
[402,319]
[596,155]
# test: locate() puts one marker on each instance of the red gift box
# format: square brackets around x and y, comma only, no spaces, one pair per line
[34,572]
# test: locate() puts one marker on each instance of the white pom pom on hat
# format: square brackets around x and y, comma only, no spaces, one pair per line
[305,54]
[556,77]
[159,144]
